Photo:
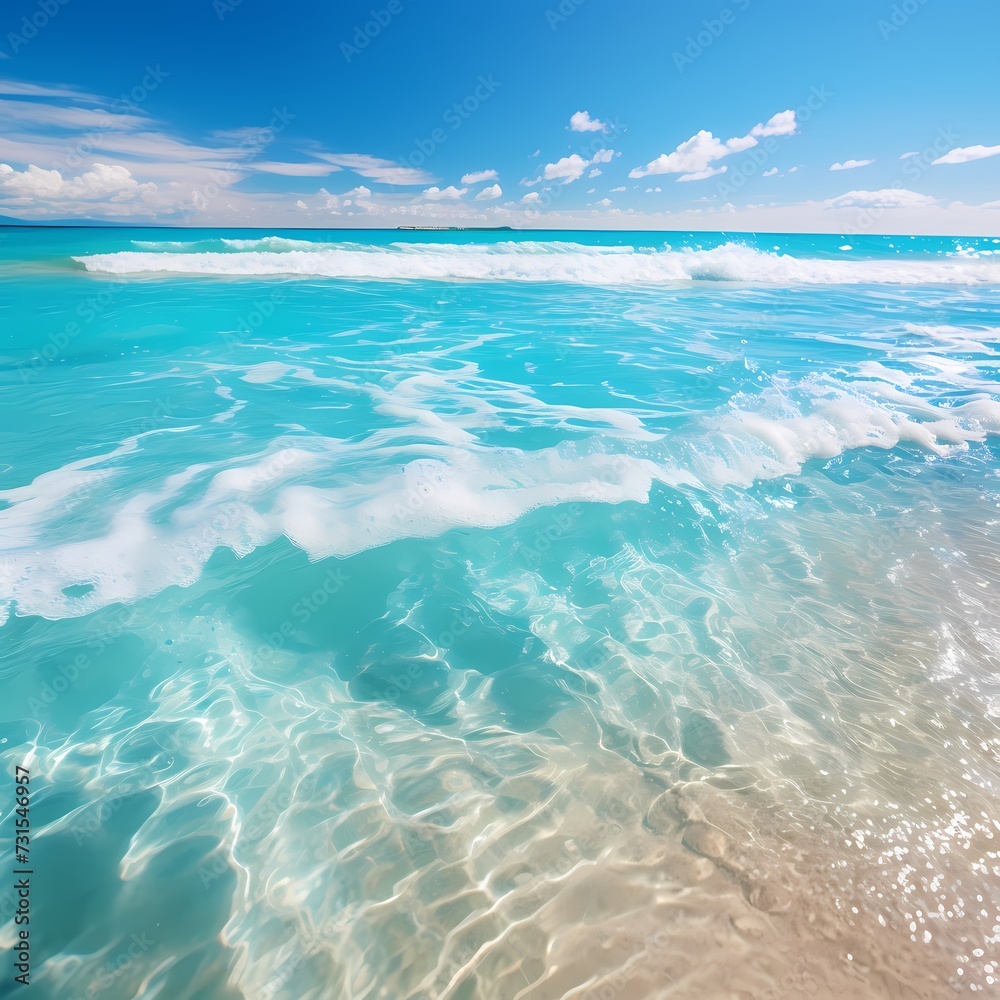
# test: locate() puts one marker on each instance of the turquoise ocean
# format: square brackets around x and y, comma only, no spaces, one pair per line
[500,616]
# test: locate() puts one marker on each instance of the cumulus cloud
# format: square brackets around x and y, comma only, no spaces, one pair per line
[596,172]
[850,164]
[478,176]
[770,173]
[617,189]
[102,181]
[884,198]
[965,154]
[783,123]
[531,198]
[383,171]
[605,202]
[490,193]
[568,169]
[450,193]
[695,157]
[582,122]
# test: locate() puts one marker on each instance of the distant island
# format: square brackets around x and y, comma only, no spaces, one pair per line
[462,229]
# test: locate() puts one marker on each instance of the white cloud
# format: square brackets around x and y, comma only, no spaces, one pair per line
[535,153]
[531,198]
[295,169]
[783,123]
[596,172]
[770,173]
[605,202]
[450,193]
[700,175]
[571,168]
[490,193]
[568,169]
[906,156]
[850,164]
[478,176]
[884,198]
[617,189]
[19,89]
[114,183]
[792,170]
[652,190]
[695,157]
[582,122]
[964,154]
[383,171]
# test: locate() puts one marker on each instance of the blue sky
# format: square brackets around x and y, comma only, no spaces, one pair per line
[544,113]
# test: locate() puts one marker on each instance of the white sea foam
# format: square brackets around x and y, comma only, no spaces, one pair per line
[558,262]
[294,489]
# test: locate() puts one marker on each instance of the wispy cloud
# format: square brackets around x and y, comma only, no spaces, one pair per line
[884,198]
[376,169]
[965,154]
[850,164]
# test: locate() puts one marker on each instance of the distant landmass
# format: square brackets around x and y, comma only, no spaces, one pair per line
[7,220]
[461,229]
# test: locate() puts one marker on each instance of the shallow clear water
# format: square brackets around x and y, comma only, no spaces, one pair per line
[502,615]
